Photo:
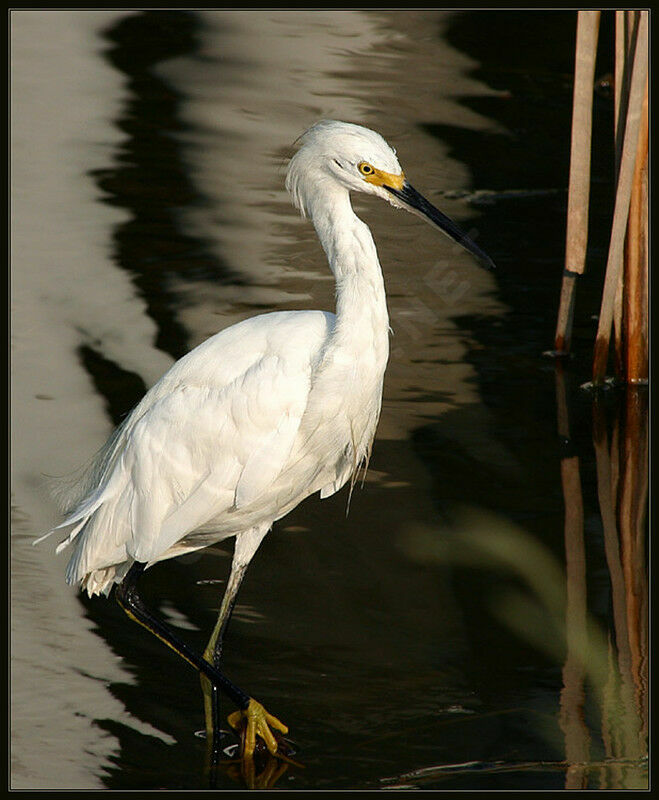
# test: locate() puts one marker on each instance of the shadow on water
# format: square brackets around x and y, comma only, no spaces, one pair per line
[165,694]
[150,181]
[150,178]
[503,709]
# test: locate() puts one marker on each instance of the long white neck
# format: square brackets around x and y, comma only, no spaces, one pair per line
[361,305]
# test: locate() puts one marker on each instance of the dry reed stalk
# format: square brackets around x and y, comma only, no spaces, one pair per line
[579,187]
[623,196]
[636,290]
[625,32]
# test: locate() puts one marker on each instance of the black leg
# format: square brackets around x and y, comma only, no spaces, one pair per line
[251,718]
[129,599]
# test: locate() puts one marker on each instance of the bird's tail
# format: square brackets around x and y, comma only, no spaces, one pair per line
[98,537]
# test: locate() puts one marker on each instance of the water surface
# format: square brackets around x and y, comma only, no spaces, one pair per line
[443,634]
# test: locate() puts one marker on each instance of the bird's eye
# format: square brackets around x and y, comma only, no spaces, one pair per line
[366,169]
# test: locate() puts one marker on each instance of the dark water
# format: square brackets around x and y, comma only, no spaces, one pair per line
[399,648]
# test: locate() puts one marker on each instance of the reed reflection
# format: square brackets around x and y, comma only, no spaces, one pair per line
[622,488]
[573,724]
[602,697]
[622,485]
[619,677]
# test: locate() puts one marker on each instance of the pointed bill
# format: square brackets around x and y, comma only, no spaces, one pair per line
[408,197]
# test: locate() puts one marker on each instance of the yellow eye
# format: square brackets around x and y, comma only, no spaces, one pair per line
[366,169]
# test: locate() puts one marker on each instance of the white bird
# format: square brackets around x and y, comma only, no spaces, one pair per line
[255,419]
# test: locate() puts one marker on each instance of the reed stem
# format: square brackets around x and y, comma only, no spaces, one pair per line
[622,202]
[579,189]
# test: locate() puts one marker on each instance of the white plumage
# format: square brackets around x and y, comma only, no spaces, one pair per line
[255,419]
[266,412]
[259,416]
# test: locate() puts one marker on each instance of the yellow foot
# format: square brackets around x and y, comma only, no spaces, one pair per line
[258,723]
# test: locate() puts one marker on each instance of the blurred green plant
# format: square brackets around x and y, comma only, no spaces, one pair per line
[549,612]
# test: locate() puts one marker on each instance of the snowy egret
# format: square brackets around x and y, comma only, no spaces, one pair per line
[255,419]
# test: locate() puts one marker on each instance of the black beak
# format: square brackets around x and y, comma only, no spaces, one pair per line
[417,204]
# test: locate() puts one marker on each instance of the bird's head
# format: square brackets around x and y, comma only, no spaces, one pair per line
[340,155]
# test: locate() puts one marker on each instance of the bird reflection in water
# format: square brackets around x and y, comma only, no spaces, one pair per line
[261,771]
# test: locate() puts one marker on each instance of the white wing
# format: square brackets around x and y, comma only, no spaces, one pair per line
[209,437]
[209,452]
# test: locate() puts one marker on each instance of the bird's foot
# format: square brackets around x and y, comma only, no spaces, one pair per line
[255,721]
